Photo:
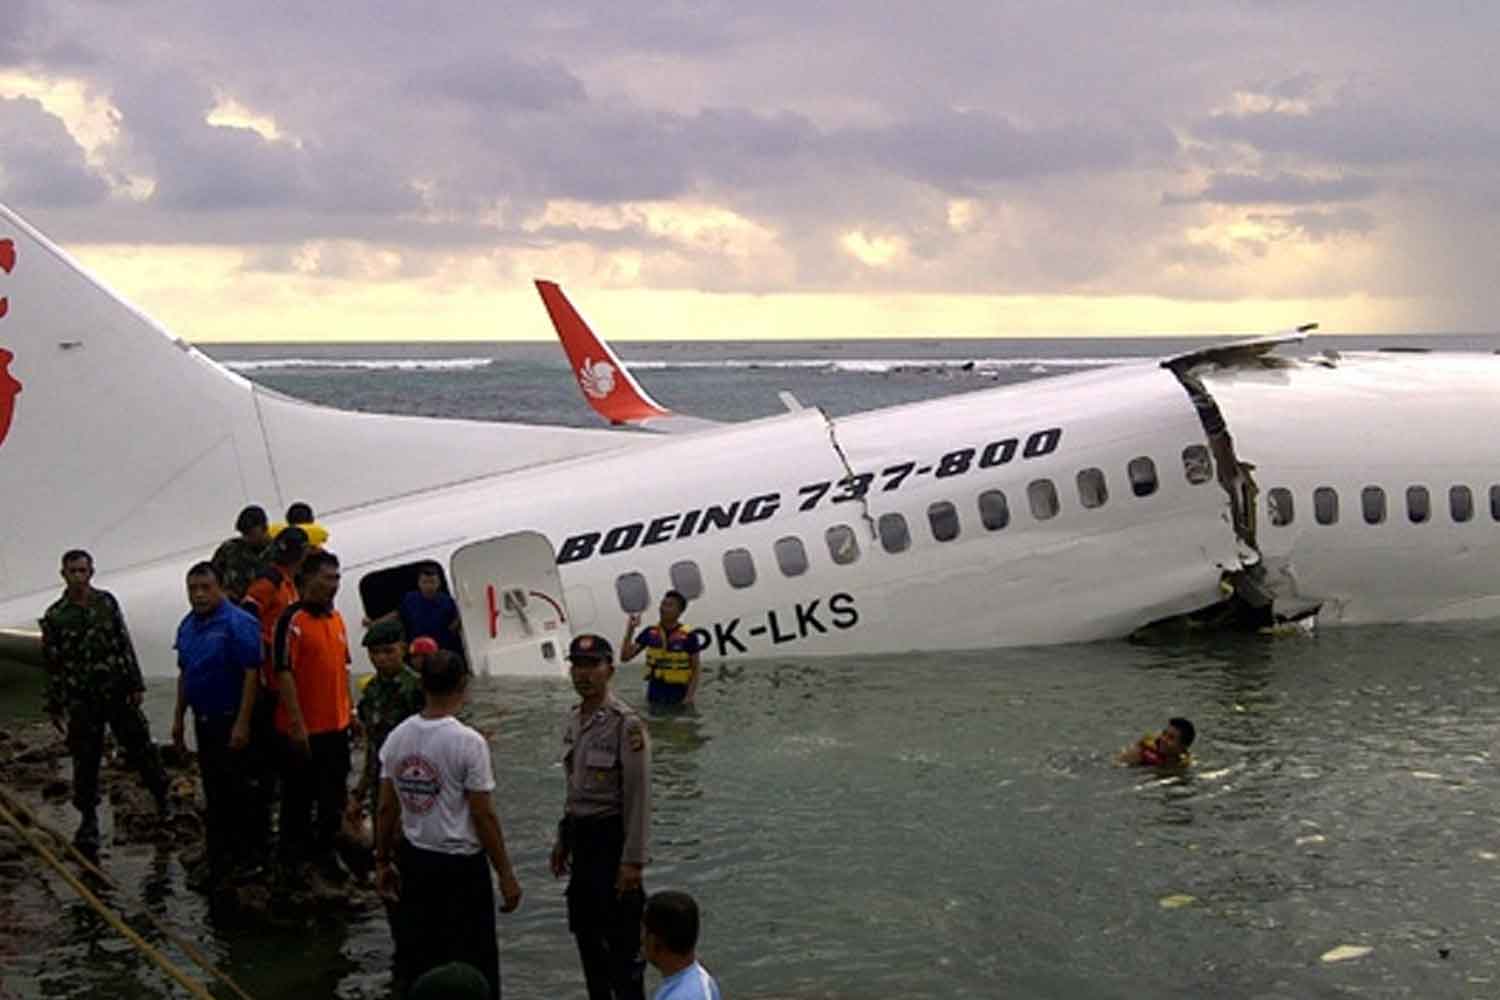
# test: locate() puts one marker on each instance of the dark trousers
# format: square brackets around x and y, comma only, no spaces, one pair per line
[86,745]
[224,794]
[313,792]
[446,913]
[262,762]
[606,924]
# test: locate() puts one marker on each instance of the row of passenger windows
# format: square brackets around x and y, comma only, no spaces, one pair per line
[1373,505]
[894,534]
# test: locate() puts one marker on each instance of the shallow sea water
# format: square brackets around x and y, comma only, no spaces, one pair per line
[950,825]
[942,826]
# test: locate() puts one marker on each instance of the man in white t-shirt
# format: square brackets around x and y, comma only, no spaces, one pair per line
[669,939]
[435,785]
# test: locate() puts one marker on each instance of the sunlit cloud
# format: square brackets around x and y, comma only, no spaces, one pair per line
[230,113]
[874,251]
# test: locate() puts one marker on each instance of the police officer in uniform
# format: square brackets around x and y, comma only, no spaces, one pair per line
[603,841]
[94,681]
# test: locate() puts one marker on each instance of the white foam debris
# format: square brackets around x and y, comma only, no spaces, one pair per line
[1346,952]
[1312,838]
[1427,775]
[1176,901]
[1486,855]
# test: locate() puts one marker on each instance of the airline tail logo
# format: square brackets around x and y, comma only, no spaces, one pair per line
[9,387]
[596,378]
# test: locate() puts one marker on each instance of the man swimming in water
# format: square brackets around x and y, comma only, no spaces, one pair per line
[1168,748]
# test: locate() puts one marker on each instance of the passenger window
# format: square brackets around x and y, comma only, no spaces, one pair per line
[1460,503]
[994,510]
[1282,508]
[1142,473]
[1418,504]
[1091,489]
[843,547]
[739,568]
[633,593]
[1196,464]
[1326,505]
[791,556]
[1495,502]
[687,580]
[894,535]
[942,518]
[1372,499]
[1042,496]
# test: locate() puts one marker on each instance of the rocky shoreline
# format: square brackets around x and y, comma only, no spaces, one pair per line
[35,772]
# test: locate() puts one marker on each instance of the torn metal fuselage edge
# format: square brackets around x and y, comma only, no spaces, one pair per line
[1250,592]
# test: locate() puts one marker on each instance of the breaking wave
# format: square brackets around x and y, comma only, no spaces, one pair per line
[844,366]
[360,364]
[882,366]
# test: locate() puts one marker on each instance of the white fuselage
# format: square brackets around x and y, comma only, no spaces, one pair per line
[1055,511]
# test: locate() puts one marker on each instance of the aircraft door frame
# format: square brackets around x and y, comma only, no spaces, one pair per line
[511,601]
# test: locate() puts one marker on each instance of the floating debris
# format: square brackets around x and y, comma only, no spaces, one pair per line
[1311,838]
[1176,902]
[1427,775]
[1346,952]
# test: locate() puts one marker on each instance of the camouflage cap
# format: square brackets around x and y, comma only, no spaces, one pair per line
[383,633]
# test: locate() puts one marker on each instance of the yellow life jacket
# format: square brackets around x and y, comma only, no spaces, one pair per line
[317,535]
[666,664]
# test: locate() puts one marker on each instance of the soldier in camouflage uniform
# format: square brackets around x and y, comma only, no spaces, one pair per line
[240,559]
[94,680]
[392,695]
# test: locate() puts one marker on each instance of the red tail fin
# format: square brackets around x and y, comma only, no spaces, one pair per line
[606,383]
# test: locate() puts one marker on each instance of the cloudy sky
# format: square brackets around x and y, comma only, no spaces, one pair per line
[359,170]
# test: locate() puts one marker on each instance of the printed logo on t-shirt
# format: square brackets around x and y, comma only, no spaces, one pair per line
[418,783]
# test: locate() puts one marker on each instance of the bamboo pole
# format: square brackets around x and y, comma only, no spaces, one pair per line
[9,802]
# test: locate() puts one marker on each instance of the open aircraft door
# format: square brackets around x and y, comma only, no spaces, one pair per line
[510,598]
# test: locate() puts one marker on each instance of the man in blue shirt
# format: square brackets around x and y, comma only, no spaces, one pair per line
[428,610]
[669,938]
[218,659]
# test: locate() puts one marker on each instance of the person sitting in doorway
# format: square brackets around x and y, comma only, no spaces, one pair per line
[428,611]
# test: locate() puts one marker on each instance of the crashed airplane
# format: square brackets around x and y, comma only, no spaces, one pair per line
[1231,486]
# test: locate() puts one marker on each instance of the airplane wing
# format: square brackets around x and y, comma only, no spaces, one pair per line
[1236,351]
[606,383]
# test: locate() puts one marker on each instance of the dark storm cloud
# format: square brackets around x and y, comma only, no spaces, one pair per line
[42,164]
[1359,134]
[454,125]
[1282,188]
[501,84]
[20,20]
[955,150]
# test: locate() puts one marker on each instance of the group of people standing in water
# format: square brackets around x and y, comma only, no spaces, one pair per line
[263,658]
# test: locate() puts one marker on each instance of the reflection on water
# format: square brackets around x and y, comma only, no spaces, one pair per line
[953,825]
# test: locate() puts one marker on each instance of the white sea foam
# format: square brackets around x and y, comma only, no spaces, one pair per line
[844,366]
[360,364]
[880,366]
